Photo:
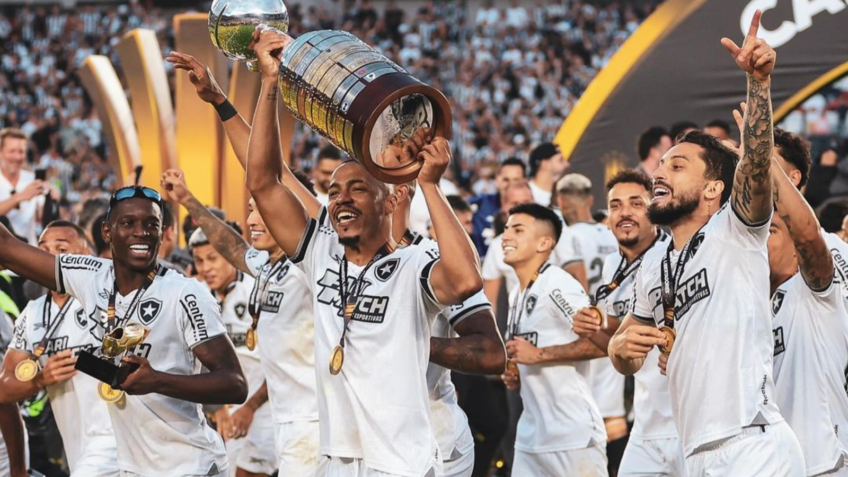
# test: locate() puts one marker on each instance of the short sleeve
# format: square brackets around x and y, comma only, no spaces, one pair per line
[200,315]
[568,297]
[255,260]
[457,313]
[731,227]
[317,232]
[74,273]
[567,251]
[642,308]
[490,262]
[425,259]
[20,337]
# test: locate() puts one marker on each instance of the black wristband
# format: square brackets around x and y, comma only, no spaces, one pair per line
[226,110]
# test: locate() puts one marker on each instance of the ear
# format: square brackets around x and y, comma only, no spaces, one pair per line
[106,232]
[713,190]
[401,192]
[545,244]
[795,177]
[391,202]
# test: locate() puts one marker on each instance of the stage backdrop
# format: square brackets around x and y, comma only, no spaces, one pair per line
[673,68]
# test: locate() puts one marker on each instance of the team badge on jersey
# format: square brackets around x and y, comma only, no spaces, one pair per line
[149,309]
[387,269]
[80,318]
[531,303]
[240,308]
[777,301]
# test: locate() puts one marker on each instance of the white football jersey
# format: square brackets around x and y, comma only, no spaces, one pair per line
[82,418]
[723,330]
[559,410]
[156,434]
[839,251]
[378,408]
[592,244]
[285,334]
[810,357]
[651,402]
[237,321]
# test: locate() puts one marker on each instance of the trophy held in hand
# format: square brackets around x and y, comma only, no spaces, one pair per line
[108,368]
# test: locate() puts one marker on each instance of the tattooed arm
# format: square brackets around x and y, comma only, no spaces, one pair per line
[814,258]
[521,351]
[478,350]
[751,197]
[222,237]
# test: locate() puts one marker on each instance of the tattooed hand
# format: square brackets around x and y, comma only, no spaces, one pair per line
[755,57]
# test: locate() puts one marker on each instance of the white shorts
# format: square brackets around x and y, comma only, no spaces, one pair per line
[344,467]
[654,457]
[255,452]
[97,463]
[760,450]
[459,464]
[588,462]
[297,448]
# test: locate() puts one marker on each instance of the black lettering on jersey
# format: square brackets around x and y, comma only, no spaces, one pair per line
[777,302]
[57,344]
[841,263]
[621,307]
[240,308]
[385,270]
[76,350]
[329,292]
[371,309]
[97,321]
[690,292]
[272,302]
[531,304]
[779,343]
[80,262]
[104,293]
[80,318]
[433,254]
[195,317]
[531,337]
[251,254]
[20,333]
[149,309]
[142,350]
[562,303]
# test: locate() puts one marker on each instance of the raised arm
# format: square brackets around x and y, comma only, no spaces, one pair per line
[235,126]
[752,186]
[478,350]
[456,277]
[814,258]
[224,238]
[284,214]
[27,261]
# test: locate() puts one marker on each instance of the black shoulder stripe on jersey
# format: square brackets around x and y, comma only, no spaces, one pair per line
[60,279]
[162,271]
[470,311]
[544,268]
[322,215]
[643,320]
[308,234]
[743,220]
[425,280]
[418,239]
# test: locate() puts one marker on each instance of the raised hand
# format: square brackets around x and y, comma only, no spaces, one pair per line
[59,368]
[200,76]
[436,157]
[269,45]
[755,56]
[173,186]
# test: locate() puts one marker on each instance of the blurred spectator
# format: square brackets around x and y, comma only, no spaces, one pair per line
[681,127]
[510,172]
[546,165]
[169,239]
[653,144]
[328,160]
[21,195]
[719,129]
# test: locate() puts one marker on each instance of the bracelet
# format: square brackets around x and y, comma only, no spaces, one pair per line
[226,110]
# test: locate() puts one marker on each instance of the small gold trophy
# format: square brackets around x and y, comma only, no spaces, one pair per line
[108,368]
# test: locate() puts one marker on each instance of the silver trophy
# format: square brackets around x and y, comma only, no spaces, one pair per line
[232,23]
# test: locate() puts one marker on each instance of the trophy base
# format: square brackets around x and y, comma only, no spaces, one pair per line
[102,370]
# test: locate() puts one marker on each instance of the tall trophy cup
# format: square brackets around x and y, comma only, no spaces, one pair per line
[108,368]
[359,100]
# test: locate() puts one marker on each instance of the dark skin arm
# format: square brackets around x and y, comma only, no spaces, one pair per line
[223,384]
[12,429]
[752,186]
[27,261]
[478,350]
[59,368]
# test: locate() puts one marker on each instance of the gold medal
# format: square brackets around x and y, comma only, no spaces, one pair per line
[336,360]
[109,394]
[597,312]
[512,366]
[250,341]
[26,370]
[670,334]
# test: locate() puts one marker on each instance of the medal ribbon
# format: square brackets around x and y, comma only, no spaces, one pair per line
[518,312]
[51,326]
[622,272]
[407,239]
[670,282]
[110,311]
[260,291]
[350,298]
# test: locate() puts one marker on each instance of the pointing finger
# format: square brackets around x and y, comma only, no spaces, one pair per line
[755,25]
[730,46]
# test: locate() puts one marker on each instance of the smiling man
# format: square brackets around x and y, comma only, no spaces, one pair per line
[375,304]
[708,292]
[560,431]
[158,424]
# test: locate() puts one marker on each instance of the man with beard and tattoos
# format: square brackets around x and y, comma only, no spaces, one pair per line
[362,286]
[653,448]
[280,307]
[704,301]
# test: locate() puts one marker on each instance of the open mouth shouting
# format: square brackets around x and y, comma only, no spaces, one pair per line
[661,191]
[345,217]
[626,225]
